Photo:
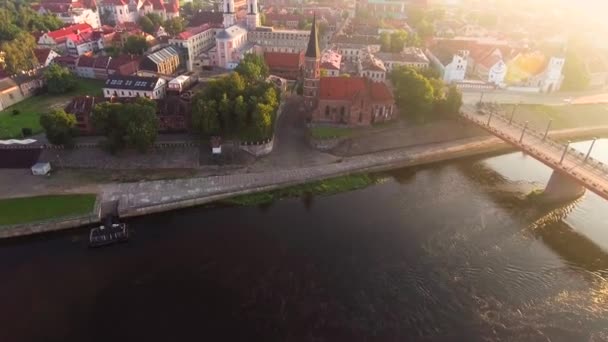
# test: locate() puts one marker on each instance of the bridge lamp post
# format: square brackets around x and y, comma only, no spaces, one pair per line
[513,113]
[489,118]
[523,131]
[565,150]
[590,148]
[547,130]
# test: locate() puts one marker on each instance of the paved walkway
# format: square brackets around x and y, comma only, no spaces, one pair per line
[587,171]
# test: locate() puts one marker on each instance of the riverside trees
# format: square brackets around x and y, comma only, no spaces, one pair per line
[422,98]
[242,104]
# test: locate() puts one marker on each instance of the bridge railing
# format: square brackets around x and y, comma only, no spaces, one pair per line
[590,164]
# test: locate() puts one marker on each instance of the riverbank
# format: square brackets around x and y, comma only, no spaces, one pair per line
[143,198]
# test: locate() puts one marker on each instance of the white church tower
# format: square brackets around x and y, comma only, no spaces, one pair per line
[253,17]
[229,13]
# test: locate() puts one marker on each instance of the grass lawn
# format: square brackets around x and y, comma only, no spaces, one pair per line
[325,132]
[566,116]
[324,187]
[38,208]
[31,108]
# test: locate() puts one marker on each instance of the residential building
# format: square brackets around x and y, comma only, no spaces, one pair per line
[192,42]
[229,45]
[67,62]
[383,8]
[134,86]
[93,67]
[164,61]
[353,101]
[330,63]
[45,56]
[123,65]
[535,70]
[56,40]
[285,64]
[372,68]
[277,40]
[449,60]
[350,46]
[82,108]
[71,12]
[486,64]
[410,56]
[10,93]
[83,43]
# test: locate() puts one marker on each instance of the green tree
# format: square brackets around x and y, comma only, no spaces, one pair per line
[385,42]
[135,45]
[262,119]
[19,52]
[425,29]
[146,25]
[59,80]
[252,68]
[240,111]
[414,93]
[205,116]
[155,18]
[131,124]
[453,100]
[576,76]
[225,114]
[59,127]
[398,40]
[174,26]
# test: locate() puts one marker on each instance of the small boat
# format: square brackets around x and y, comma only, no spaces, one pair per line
[108,233]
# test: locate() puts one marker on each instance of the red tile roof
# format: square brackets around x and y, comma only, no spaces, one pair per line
[42,55]
[65,60]
[64,32]
[158,5]
[284,60]
[114,2]
[85,62]
[173,6]
[340,88]
[346,88]
[379,91]
[191,31]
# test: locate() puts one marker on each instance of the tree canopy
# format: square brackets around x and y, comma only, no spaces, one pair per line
[576,76]
[59,80]
[127,124]
[59,127]
[136,45]
[235,107]
[252,68]
[146,25]
[393,42]
[174,26]
[420,98]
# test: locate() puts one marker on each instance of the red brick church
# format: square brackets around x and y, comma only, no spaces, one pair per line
[352,101]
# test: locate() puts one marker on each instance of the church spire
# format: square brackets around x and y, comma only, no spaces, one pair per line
[313,42]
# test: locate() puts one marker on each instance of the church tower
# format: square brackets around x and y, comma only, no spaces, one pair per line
[253,16]
[312,72]
[229,13]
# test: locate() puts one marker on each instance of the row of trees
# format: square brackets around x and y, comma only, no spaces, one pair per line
[421,98]
[151,21]
[242,104]
[17,19]
[395,41]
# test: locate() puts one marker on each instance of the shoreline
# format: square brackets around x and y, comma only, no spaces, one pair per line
[211,189]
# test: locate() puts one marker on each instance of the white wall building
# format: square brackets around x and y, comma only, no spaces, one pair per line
[193,41]
[451,65]
[134,86]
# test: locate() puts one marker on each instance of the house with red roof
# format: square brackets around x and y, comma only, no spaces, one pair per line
[56,40]
[486,63]
[331,62]
[353,101]
[285,64]
[121,11]
[193,42]
[45,56]
[372,67]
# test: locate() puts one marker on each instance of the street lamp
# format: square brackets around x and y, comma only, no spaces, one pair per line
[489,118]
[481,98]
[590,148]
[565,150]
[513,113]
[523,131]
[547,130]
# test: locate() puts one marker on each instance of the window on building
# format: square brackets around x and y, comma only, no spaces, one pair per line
[122,92]
[326,110]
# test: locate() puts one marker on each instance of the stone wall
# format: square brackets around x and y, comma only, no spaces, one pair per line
[325,144]
[258,148]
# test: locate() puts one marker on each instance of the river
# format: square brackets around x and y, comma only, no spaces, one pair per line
[442,252]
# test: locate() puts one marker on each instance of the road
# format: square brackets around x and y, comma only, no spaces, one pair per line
[510,97]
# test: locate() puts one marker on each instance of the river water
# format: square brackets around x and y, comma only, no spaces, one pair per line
[443,252]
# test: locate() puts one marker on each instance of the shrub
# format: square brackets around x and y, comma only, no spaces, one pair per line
[26,131]
[16,112]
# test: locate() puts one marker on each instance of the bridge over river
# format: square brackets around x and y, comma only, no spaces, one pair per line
[573,171]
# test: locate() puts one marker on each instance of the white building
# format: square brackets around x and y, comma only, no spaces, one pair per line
[372,68]
[193,41]
[330,63]
[452,65]
[229,43]
[134,86]
[550,79]
[117,11]
[488,67]
[71,13]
